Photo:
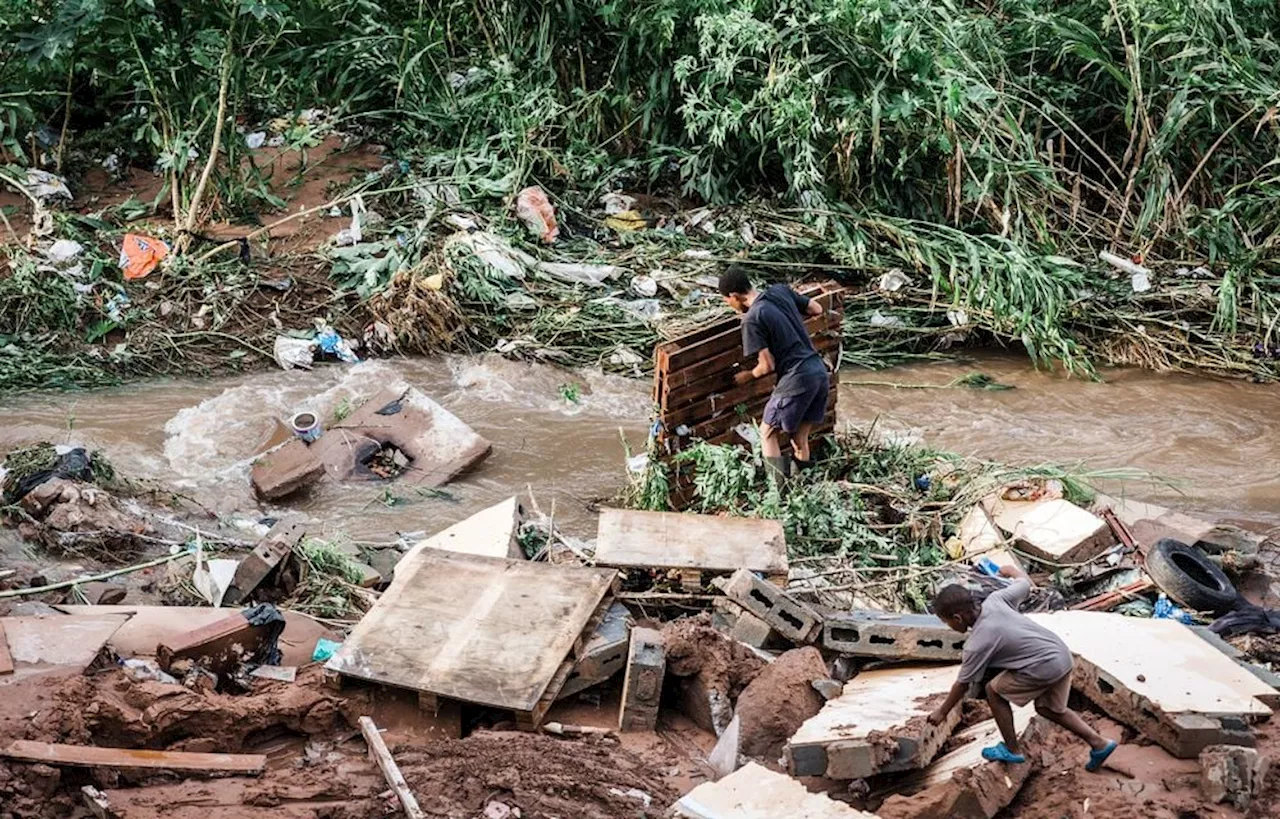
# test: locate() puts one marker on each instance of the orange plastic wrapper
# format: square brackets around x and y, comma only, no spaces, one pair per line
[140,255]
[534,209]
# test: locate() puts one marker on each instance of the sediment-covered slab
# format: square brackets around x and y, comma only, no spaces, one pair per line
[891,635]
[1056,530]
[879,724]
[630,539]
[755,792]
[1161,678]
[963,785]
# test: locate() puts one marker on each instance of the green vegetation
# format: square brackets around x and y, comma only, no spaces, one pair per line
[988,153]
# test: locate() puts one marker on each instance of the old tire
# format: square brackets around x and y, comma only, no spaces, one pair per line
[1190,578]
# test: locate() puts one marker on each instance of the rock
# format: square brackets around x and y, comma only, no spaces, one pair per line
[1232,773]
[829,689]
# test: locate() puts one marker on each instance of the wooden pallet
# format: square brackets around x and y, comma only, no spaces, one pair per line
[695,394]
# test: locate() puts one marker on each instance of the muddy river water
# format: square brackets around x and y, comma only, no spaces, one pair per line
[1220,440]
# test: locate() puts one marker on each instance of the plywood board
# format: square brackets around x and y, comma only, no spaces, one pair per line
[477,629]
[38,643]
[489,533]
[755,792]
[878,724]
[1181,672]
[671,540]
[89,756]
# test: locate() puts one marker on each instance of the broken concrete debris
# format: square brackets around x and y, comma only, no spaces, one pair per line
[1230,773]
[891,636]
[265,557]
[642,687]
[493,532]
[755,792]
[398,433]
[785,614]
[1054,530]
[604,655]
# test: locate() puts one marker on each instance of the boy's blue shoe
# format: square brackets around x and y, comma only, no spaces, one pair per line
[1000,753]
[1096,758]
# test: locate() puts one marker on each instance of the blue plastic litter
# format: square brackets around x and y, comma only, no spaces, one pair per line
[1166,610]
[324,650]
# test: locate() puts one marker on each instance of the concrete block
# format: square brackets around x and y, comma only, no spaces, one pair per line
[642,688]
[492,532]
[1232,774]
[285,469]
[1056,531]
[604,655]
[737,623]
[272,549]
[783,612]
[866,633]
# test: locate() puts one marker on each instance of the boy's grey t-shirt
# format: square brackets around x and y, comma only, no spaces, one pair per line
[1004,638]
[776,321]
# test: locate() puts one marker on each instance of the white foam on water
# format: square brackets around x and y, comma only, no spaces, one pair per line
[493,379]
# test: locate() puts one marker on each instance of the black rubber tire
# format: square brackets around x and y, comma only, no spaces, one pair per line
[1189,578]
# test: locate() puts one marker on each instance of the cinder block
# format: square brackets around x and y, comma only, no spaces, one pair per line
[891,635]
[272,549]
[604,655]
[642,688]
[785,614]
[732,619]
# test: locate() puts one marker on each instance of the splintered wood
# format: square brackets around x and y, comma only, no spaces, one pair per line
[877,725]
[755,792]
[1161,678]
[390,770]
[667,540]
[696,395]
[503,633]
[89,756]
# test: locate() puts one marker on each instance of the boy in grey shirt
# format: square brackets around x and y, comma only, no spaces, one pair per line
[1032,664]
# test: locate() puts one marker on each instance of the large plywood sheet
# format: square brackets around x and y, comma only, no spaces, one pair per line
[683,541]
[1161,661]
[483,630]
[40,643]
[755,792]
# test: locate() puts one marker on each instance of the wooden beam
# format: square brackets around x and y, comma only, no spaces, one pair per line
[390,770]
[89,756]
[6,659]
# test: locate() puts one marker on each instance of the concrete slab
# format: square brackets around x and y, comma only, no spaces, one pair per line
[630,539]
[38,644]
[963,785]
[284,470]
[755,792]
[1161,678]
[1056,531]
[980,538]
[891,635]
[788,616]
[877,725]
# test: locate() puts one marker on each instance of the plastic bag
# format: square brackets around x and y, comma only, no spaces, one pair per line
[139,255]
[293,352]
[334,344]
[535,211]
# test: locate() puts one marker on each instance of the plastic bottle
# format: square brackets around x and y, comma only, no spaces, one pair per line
[1166,610]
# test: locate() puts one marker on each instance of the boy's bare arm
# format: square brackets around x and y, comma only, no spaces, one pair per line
[1015,572]
[954,696]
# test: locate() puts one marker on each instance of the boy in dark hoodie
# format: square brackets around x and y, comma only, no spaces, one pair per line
[773,328]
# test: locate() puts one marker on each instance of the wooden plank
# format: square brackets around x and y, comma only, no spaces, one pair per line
[6,659]
[476,629]
[720,371]
[1159,677]
[717,428]
[390,770]
[755,792]
[751,397]
[89,756]
[877,725]
[668,540]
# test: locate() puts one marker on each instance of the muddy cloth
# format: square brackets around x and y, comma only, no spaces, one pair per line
[265,614]
[1042,598]
[776,321]
[73,465]
[1003,638]
[1246,618]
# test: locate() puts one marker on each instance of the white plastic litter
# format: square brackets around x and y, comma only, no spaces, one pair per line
[592,275]
[63,251]
[615,203]
[495,252]
[212,578]
[293,353]
[1140,282]
[143,670]
[521,301]
[352,235]
[893,281]
[644,286]
[47,187]
[255,140]
[879,319]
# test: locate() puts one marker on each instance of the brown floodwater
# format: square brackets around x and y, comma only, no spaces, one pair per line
[1218,439]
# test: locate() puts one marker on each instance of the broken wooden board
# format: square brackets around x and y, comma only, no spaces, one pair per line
[755,792]
[148,626]
[877,725]
[1159,677]
[489,533]
[963,785]
[390,770]
[89,756]
[1055,530]
[6,659]
[439,445]
[266,555]
[40,643]
[669,540]
[477,629]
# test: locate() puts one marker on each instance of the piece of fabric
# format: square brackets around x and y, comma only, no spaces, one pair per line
[1019,689]
[1246,618]
[776,322]
[1005,639]
[788,412]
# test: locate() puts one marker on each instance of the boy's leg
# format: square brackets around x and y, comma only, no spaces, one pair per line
[800,442]
[1072,722]
[1002,713]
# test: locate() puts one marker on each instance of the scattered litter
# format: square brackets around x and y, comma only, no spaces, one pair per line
[212,578]
[463,80]
[63,251]
[1166,610]
[330,342]
[139,255]
[893,281]
[535,211]
[325,649]
[1132,268]
[592,275]
[644,286]
[495,252]
[143,669]
[634,793]
[293,353]
[306,425]
[274,672]
[354,233]
[255,140]
[879,319]
[47,187]
[1140,282]
[616,203]
[626,221]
